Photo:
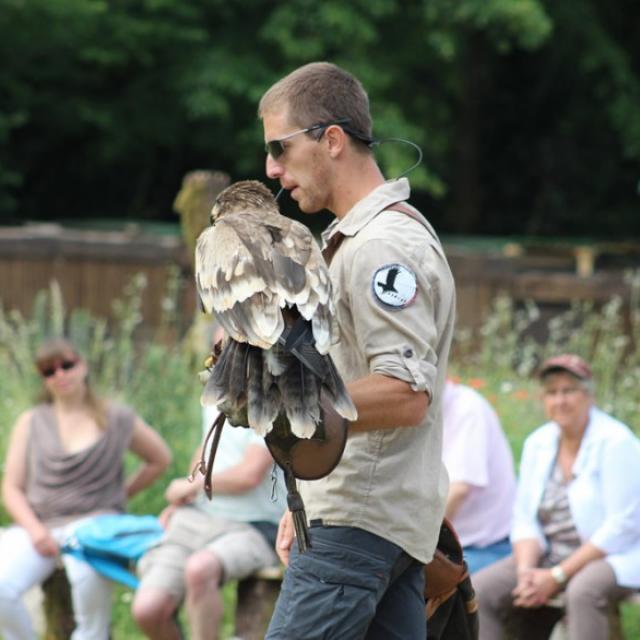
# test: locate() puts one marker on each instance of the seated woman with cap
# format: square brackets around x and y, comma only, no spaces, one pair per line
[576,524]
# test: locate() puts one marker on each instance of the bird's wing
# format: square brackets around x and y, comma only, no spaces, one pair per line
[230,285]
[253,263]
[248,266]
[314,299]
[225,268]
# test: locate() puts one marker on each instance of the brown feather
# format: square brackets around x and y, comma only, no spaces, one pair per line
[258,272]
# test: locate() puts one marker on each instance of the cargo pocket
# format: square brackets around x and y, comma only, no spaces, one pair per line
[333,592]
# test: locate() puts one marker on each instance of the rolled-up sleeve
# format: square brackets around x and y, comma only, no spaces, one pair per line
[399,340]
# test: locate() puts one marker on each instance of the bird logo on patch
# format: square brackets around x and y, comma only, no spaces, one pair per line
[395,286]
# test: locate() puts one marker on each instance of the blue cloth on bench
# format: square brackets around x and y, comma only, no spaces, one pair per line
[113,543]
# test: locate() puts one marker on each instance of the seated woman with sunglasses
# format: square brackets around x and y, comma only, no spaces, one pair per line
[64,464]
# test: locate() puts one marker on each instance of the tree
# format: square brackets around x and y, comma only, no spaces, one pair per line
[527,110]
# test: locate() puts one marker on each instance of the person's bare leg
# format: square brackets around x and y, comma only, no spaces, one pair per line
[203,574]
[154,611]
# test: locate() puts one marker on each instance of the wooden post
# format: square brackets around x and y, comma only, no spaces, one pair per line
[193,203]
[257,596]
[58,609]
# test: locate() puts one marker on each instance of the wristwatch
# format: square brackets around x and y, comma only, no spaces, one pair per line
[558,574]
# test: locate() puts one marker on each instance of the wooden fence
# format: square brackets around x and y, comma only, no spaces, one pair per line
[93,267]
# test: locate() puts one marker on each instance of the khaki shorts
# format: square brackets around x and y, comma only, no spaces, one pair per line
[240,548]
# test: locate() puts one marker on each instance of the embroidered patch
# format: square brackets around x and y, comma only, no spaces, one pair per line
[394,285]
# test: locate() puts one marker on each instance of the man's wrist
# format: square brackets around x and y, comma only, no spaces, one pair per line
[559,575]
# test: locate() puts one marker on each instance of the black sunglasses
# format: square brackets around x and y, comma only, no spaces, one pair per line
[275,148]
[65,365]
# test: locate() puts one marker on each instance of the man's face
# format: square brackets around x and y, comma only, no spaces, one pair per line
[303,167]
[566,401]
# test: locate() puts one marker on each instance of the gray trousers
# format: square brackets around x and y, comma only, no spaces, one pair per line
[588,597]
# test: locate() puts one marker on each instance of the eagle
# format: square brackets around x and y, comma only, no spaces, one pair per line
[264,278]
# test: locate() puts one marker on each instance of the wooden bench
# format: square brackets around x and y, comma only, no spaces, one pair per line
[616,631]
[256,597]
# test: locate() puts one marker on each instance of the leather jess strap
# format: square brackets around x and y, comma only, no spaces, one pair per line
[336,239]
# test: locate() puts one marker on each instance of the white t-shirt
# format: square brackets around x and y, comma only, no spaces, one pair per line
[256,504]
[475,451]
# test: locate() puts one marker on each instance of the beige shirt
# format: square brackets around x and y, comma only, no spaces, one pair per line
[395,300]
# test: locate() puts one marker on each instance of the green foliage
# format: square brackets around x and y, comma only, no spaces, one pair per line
[522,23]
[105,109]
[504,356]
[158,378]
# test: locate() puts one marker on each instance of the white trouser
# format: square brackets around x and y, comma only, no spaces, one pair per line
[22,567]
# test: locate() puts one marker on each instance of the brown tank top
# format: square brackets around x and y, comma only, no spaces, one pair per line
[63,486]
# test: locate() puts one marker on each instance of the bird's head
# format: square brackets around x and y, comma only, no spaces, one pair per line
[243,195]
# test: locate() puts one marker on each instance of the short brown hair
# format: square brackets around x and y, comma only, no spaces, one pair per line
[320,92]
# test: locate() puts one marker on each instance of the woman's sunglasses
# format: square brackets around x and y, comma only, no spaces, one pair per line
[50,370]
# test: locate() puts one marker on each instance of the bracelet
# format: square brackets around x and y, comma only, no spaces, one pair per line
[559,575]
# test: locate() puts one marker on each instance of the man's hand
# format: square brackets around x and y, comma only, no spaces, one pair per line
[44,542]
[286,534]
[534,588]
[182,491]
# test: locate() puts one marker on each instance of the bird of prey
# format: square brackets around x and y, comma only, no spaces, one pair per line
[264,277]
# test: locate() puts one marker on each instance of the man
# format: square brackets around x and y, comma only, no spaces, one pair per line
[210,542]
[482,481]
[375,519]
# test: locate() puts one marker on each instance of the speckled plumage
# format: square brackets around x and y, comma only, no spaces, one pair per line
[260,273]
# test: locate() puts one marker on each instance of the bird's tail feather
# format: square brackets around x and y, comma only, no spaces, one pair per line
[239,359]
[215,391]
[300,392]
[338,394]
[254,386]
[271,399]
[275,360]
[228,381]
[263,397]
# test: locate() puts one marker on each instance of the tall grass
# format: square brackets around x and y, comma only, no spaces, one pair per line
[158,375]
[504,353]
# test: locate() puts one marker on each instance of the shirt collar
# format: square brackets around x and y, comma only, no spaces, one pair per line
[368,208]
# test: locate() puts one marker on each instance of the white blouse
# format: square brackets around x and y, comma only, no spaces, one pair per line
[604,494]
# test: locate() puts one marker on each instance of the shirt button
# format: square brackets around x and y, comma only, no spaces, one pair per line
[408,353]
